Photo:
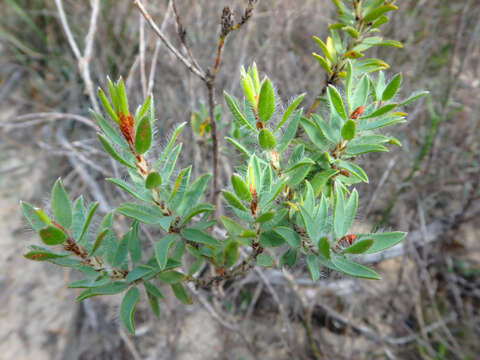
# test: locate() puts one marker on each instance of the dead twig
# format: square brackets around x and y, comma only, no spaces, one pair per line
[83,59]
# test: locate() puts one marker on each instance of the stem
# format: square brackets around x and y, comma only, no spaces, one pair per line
[213,130]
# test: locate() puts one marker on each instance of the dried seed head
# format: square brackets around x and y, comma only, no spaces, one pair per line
[227,21]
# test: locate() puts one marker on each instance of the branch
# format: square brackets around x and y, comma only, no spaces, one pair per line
[83,60]
[168,44]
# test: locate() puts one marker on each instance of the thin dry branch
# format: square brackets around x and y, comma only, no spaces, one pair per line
[83,60]
[190,66]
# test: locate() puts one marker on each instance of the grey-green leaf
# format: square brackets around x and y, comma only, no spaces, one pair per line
[392,87]
[161,249]
[353,269]
[313,267]
[61,206]
[143,137]
[336,101]
[127,309]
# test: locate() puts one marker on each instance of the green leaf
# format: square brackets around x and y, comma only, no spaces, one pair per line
[143,137]
[179,187]
[253,72]
[266,101]
[153,295]
[108,289]
[98,241]
[240,188]
[32,216]
[382,241]
[380,21]
[359,247]
[313,267]
[122,97]
[377,12]
[348,130]
[107,106]
[351,31]
[146,214]
[38,253]
[195,210]
[339,213]
[350,210]
[194,194]
[324,48]
[314,134]
[324,247]
[248,87]
[60,204]
[134,247]
[381,111]
[169,165]
[237,114]
[321,178]
[200,237]
[230,253]
[171,277]
[289,258]
[127,309]
[416,95]
[142,110]
[51,235]
[329,130]
[78,217]
[323,63]
[354,169]
[360,94]
[174,136]
[239,146]
[299,174]
[270,239]
[231,226]
[290,109]
[112,89]
[233,201]
[392,87]
[353,269]
[266,140]
[363,149]
[141,195]
[111,151]
[267,216]
[370,65]
[138,272]
[161,248]
[121,252]
[152,290]
[153,180]
[181,294]
[109,131]
[290,131]
[336,101]
[265,260]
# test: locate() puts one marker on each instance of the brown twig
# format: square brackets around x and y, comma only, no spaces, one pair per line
[190,66]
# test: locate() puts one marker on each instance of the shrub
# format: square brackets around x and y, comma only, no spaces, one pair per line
[293,188]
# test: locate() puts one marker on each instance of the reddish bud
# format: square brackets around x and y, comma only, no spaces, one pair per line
[357,112]
[127,127]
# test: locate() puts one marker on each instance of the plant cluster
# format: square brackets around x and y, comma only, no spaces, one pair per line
[293,188]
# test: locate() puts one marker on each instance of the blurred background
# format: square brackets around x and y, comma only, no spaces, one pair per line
[427,304]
